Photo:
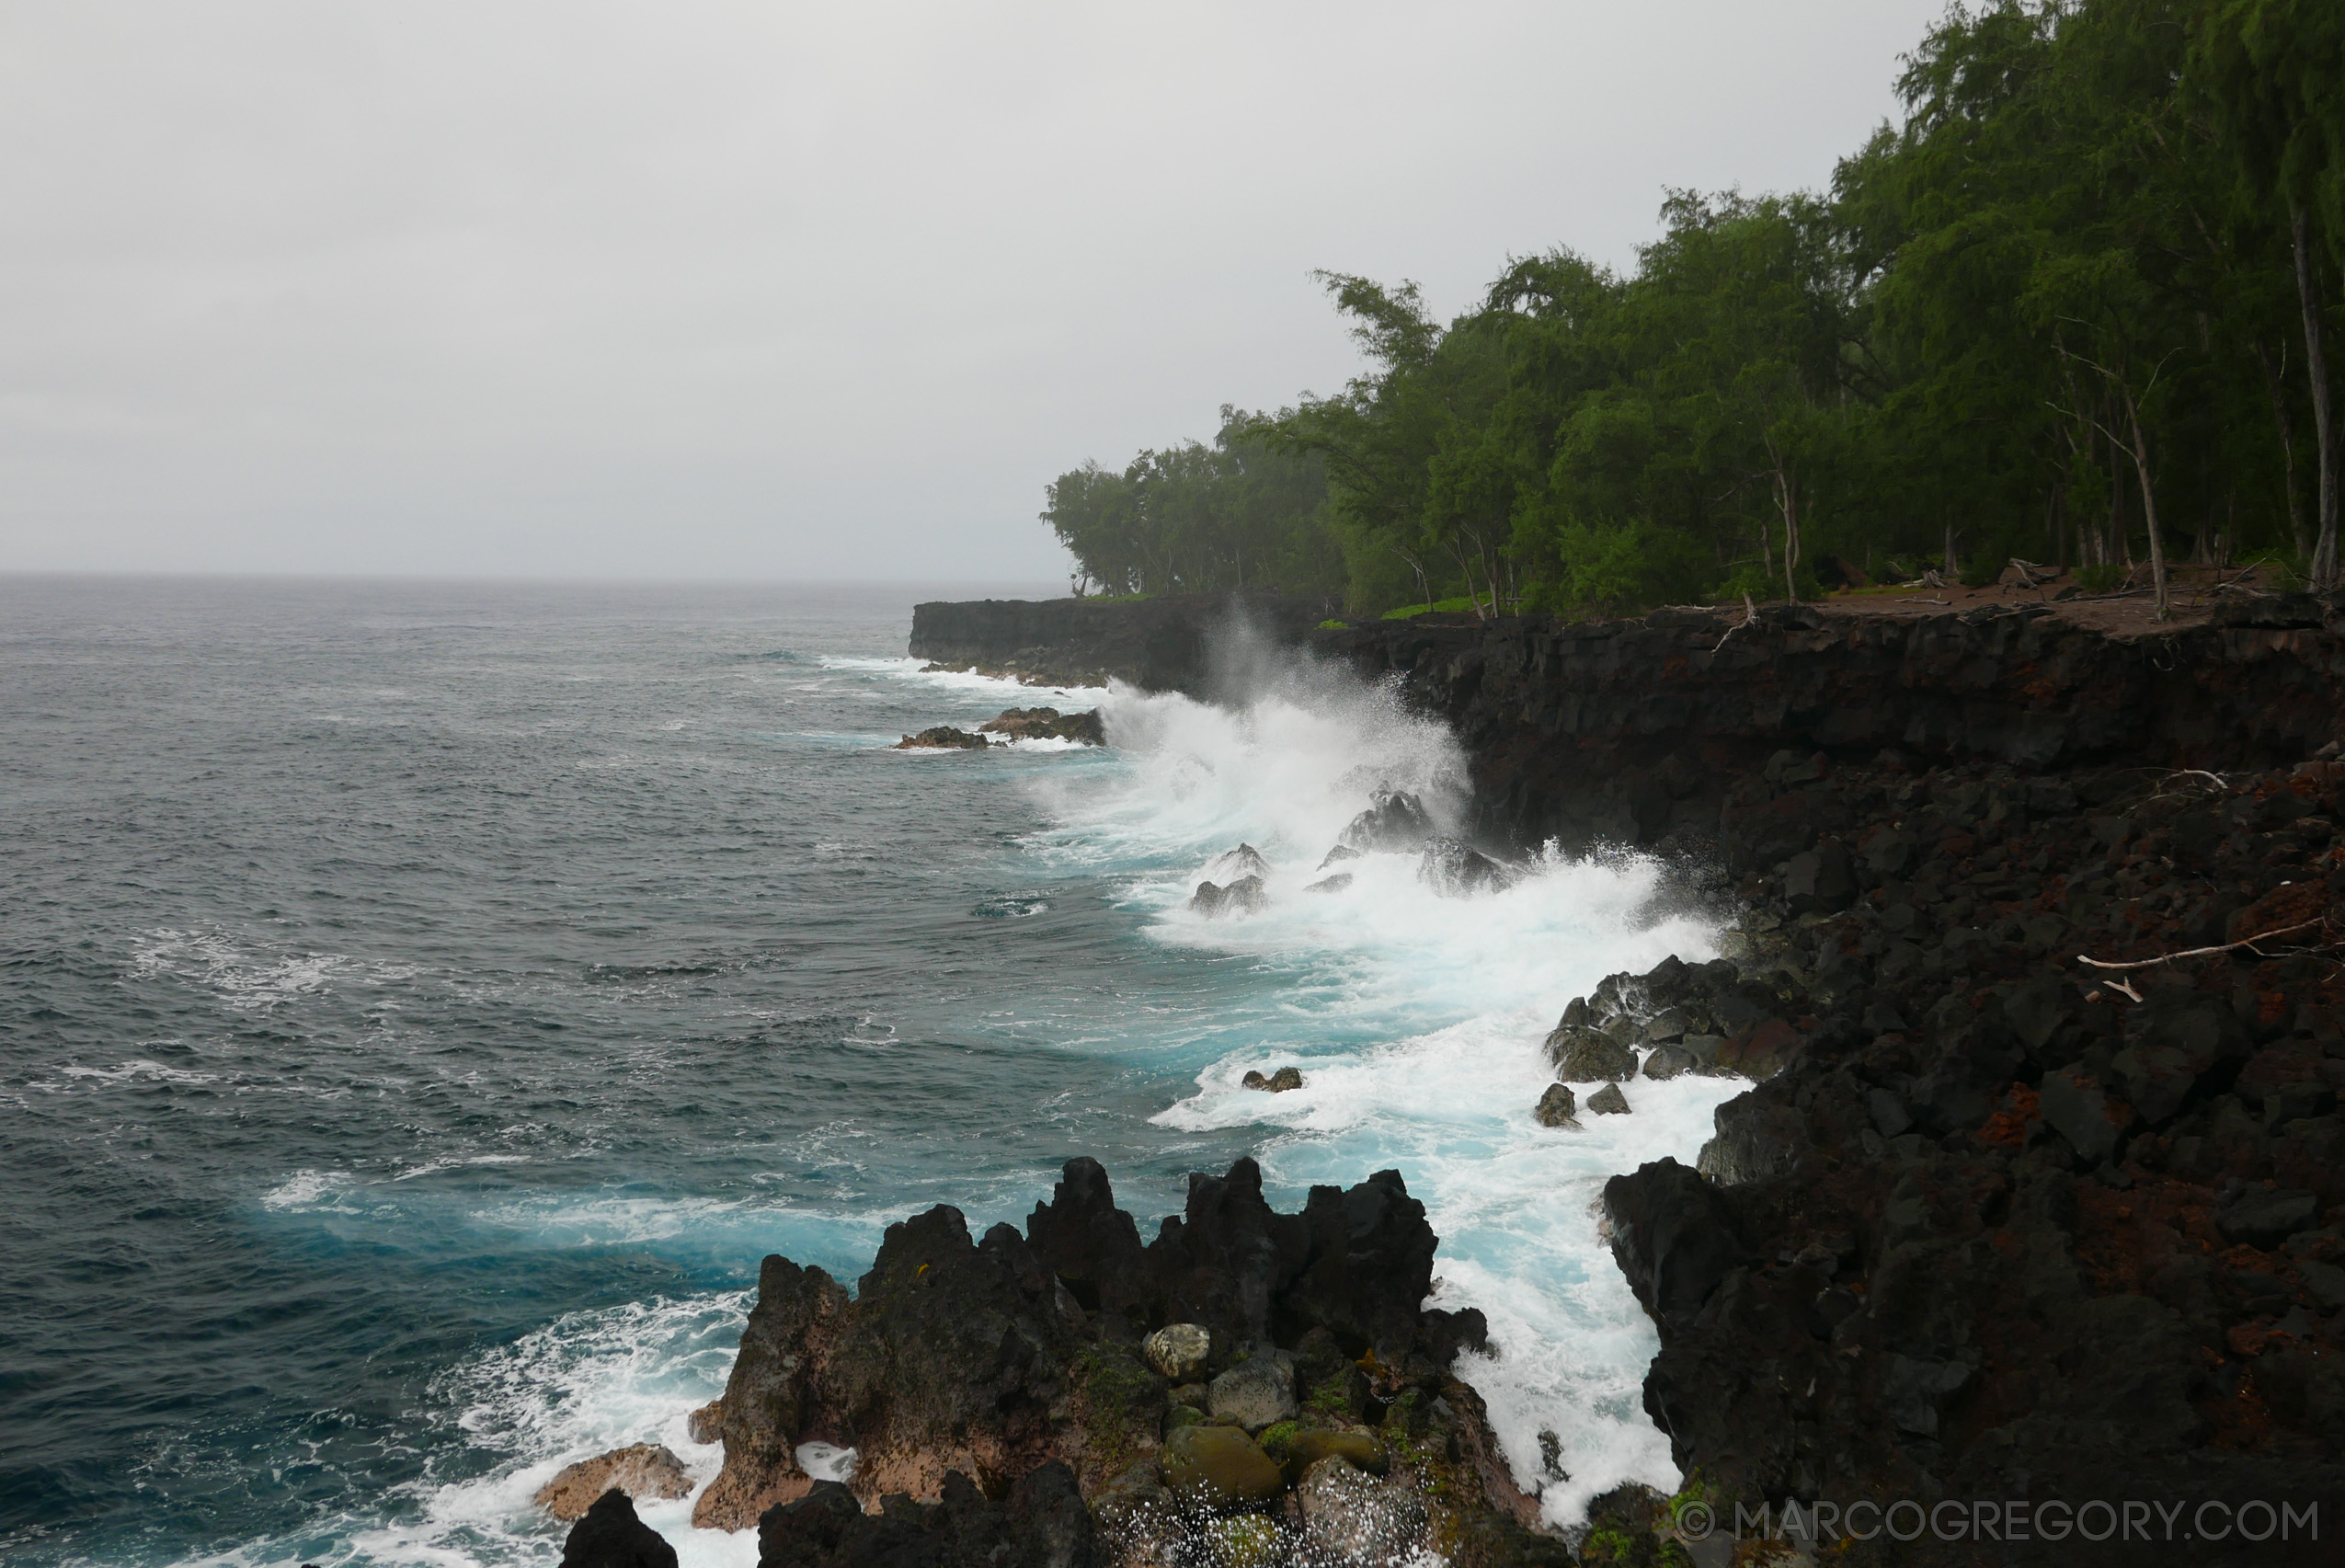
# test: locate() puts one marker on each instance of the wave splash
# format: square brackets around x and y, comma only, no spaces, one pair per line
[1416,1004]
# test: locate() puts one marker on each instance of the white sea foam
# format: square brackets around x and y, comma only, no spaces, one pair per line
[1418,1020]
[584,1384]
[243,979]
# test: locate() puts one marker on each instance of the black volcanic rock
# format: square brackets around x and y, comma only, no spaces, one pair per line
[1674,1237]
[996,1391]
[609,1535]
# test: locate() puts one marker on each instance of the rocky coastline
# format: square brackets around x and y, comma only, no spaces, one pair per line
[2038,1196]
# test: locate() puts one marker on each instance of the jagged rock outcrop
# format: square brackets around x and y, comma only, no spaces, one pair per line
[1046,723]
[1246,895]
[1394,823]
[1041,1523]
[1992,1225]
[640,1469]
[943,737]
[1014,1369]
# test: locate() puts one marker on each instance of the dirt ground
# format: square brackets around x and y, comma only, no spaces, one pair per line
[2192,591]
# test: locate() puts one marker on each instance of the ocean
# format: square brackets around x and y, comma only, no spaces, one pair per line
[422,1005]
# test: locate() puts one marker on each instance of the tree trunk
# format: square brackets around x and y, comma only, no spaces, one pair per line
[2324,432]
[2149,502]
[1787,496]
[2277,390]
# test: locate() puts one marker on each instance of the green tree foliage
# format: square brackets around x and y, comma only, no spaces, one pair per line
[2073,307]
[1194,518]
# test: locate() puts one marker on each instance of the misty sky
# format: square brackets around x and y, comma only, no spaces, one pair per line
[781,289]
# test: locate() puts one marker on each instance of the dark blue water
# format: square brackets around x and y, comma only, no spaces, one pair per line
[422,1006]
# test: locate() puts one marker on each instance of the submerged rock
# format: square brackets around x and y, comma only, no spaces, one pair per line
[943,737]
[641,1470]
[1334,884]
[1278,1082]
[609,1535]
[1339,855]
[1244,897]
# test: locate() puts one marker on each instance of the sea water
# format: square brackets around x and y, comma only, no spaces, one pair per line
[422,1006]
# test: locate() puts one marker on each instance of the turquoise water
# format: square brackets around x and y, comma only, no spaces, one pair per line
[421,1005]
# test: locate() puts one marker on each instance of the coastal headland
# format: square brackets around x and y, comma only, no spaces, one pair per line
[2035,1208]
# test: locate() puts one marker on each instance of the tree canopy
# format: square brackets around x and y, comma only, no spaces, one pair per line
[2072,306]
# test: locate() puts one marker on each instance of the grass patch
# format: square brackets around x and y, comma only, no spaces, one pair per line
[1457,606]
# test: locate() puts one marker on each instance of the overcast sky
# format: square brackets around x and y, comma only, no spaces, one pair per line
[781,289]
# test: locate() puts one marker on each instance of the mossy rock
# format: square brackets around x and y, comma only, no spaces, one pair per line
[1219,1466]
[1305,1448]
[1119,1402]
[1245,1540]
[1274,1440]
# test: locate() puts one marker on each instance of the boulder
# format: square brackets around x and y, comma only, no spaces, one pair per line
[2077,1108]
[1761,1050]
[641,1470]
[1394,821]
[1664,1062]
[1361,1451]
[607,1534]
[1231,865]
[943,737]
[1455,869]
[1220,1467]
[1557,1107]
[1278,1082]
[1257,1392]
[2263,1218]
[1672,1236]
[2188,1041]
[1179,1352]
[1350,1518]
[1608,1102]
[706,1425]
[1581,1055]
[1244,897]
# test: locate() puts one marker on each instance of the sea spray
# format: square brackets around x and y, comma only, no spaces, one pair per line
[1418,1018]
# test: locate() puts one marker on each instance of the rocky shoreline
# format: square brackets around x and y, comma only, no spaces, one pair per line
[1994,1223]
[1248,1387]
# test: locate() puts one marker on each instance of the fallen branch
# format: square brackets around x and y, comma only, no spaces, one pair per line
[1925,602]
[2248,942]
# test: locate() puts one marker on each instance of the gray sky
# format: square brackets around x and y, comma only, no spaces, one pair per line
[781,289]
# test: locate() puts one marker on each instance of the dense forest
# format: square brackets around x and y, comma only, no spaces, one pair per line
[2072,310]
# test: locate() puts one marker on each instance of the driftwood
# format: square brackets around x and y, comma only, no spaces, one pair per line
[2199,952]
